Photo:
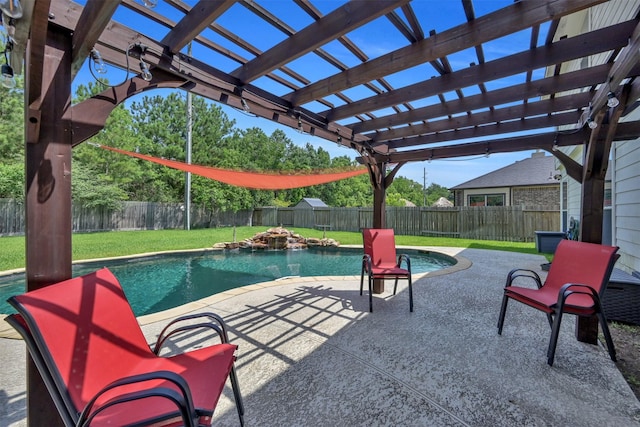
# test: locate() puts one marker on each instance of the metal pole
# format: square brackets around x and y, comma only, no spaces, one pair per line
[424,187]
[187,182]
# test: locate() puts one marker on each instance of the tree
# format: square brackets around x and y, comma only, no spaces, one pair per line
[12,181]
[131,176]
[95,191]
[409,189]
[435,191]
[12,141]
[156,125]
[12,123]
[395,199]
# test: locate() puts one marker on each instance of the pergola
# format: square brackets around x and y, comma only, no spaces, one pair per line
[437,112]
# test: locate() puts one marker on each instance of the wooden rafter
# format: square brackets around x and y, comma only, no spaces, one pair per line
[198,18]
[94,19]
[510,94]
[561,51]
[338,22]
[489,27]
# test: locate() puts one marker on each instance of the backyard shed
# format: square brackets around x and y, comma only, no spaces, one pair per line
[310,203]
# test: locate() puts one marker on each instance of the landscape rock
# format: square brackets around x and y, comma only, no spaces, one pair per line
[278,238]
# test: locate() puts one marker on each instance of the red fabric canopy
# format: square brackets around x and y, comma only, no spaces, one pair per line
[254,180]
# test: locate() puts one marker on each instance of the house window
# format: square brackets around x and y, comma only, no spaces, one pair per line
[607,197]
[486,200]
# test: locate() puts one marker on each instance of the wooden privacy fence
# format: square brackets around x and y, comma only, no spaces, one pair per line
[507,223]
[132,216]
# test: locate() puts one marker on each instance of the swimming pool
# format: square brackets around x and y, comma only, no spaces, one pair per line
[159,282]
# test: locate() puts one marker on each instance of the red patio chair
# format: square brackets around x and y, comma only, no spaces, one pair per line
[575,284]
[97,366]
[380,261]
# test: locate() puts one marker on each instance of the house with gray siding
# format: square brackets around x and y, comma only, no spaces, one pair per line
[622,188]
[529,182]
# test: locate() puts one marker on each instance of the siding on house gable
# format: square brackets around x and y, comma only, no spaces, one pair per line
[626,199]
[610,13]
[625,156]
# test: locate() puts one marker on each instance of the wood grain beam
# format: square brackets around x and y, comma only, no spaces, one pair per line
[602,139]
[624,63]
[413,21]
[94,19]
[181,6]
[312,11]
[547,141]
[198,18]
[35,54]
[213,83]
[404,29]
[573,168]
[88,117]
[508,20]
[561,51]
[340,21]
[541,122]
[507,114]
[543,141]
[563,82]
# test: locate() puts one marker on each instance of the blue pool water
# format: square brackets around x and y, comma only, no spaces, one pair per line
[161,282]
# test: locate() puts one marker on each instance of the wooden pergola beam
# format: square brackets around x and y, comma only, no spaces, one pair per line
[340,21]
[542,87]
[198,18]
[624,63]
[565,50]
[505,21]
[94,19]
[507,115]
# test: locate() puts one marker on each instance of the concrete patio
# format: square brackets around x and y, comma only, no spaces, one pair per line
[312,355]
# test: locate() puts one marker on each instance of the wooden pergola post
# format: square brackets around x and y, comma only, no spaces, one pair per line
[377,172]
[48,190]
[596,163]
[380,181]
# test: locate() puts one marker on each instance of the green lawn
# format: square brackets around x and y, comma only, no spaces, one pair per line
[109,244]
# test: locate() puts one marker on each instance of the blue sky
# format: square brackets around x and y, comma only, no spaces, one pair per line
[374,40]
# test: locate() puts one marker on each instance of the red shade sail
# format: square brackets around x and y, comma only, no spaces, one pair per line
[254,180]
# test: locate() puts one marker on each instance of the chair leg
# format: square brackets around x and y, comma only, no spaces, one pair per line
[550,319]
[236,394]
[555,331]
[410,296]
[503,312]
[361,279]
[370,293]
[395,286]
[607,336]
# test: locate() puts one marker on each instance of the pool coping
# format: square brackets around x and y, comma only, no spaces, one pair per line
[463,263]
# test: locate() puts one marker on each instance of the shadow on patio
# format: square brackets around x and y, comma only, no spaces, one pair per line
[311,354]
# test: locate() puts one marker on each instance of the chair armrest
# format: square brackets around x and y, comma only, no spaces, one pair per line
[182,400]
[213,322]
[366,263]
[525,273]
[577,288]
[407,259]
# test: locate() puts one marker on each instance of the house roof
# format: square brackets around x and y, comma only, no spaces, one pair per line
[314,203]
[538,169]
[442,202]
